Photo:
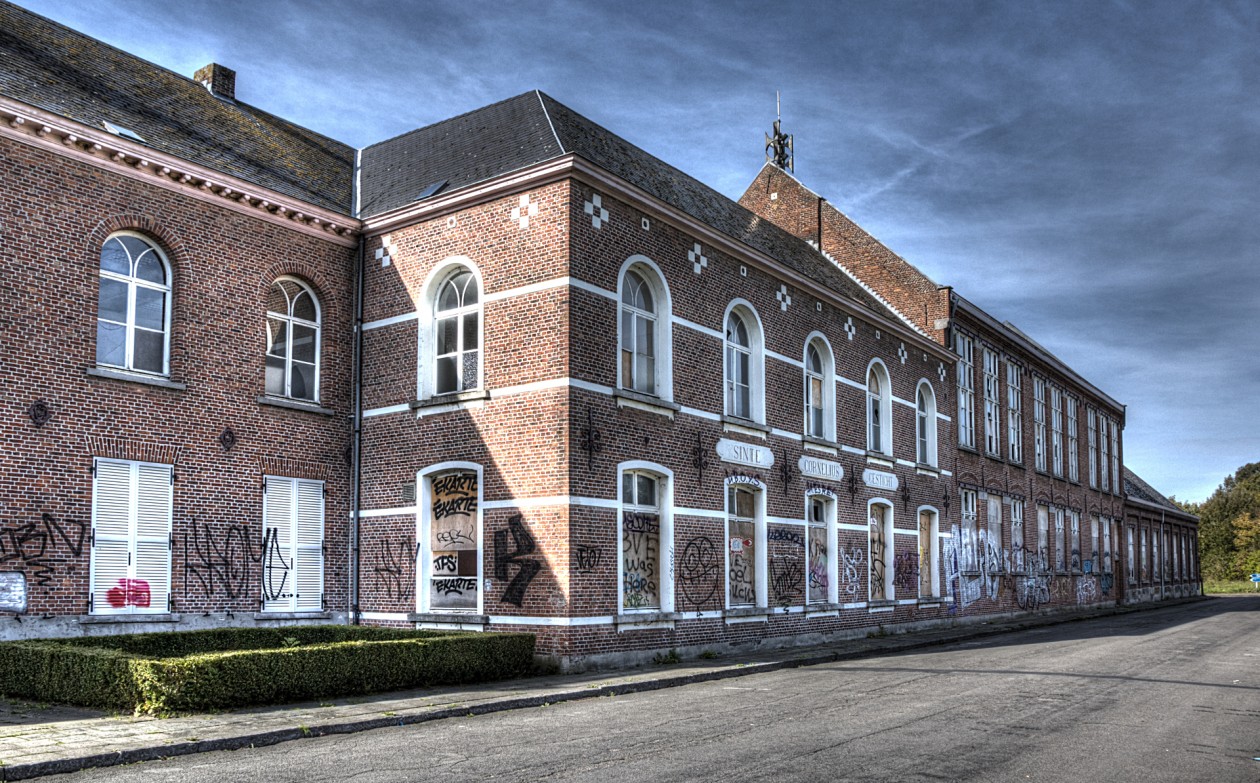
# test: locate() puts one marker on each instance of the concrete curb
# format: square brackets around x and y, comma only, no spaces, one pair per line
[878,646]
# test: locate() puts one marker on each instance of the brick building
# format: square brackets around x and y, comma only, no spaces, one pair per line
[507,371]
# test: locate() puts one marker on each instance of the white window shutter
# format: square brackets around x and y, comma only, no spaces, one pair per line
[151,566]
[309,549]
[111,535]
[277,572]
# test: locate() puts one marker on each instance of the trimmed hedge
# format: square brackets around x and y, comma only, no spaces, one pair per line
[192,671]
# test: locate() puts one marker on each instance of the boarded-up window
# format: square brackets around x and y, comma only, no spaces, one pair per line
[293,545]
[819,578]
[881,568]
[970,532]
[131,535]
[640,541]
[454,541]
[1060,562]
[1043,539]
[741,542]
[1017,536]
[927,560]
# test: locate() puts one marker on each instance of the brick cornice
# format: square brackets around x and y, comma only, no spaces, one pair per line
[61,136]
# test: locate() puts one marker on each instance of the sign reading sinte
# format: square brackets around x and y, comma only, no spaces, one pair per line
[744,453]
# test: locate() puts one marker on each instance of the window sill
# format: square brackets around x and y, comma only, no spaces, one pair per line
[134,617]
[881,459]
[994,457]
[929,602]
[744,427]
[747,614]
[968,449]
[924,469]
[645,402]
[631,620]
[1016,464]
[295,405]
[263,616]
[452,401]
[449,618]
[873,607]
[147,380]
[821,444]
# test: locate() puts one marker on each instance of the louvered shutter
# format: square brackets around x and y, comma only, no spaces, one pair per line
[111,536]
[150,585]
[277,573]
[309,546]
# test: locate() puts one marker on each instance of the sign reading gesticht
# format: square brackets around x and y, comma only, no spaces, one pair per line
[745,453]
[820,468]
[878,479]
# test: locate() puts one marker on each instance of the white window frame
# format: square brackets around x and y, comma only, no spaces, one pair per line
[889,530]
[296,601]
[662,327]
[879,440]
[929,552]
[424,527]
[1103,460]
[102,538]
[760,555]
[1018,544]
[993,530]
[925,424]
[1074,542]
[1073,443]
[290,321]
[992,404]
[827,379]
[1014,413]
[426,381]
[1091,418]
[665,514]
[1039,423]
[1115,456]
[133,282]
[970,530]
[831,528]
[1056,429]
[1095,531]
[1060,542]
[756,363]
[965,367]
[1043,538]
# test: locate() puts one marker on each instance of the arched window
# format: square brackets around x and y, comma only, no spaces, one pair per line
[745,368]
[645,336]
[878,410]
[925,424]
[292,340]
[133,313]
[738,367]
[820,390]
[457,333]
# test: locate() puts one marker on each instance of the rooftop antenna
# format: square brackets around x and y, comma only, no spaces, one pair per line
[779,147]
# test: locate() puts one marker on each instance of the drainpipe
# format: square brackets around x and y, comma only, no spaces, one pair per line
[356,443]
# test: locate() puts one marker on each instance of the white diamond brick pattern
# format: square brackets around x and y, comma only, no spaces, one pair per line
[523,211]
[385,252]
[697,258]
[849,328]
[941,371]
[785,299]
[595,208]
[902,353]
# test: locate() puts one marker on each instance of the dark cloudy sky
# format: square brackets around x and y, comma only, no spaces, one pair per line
[1089,171]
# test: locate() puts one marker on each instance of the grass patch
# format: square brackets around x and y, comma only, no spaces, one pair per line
[196,671]
[1225,586]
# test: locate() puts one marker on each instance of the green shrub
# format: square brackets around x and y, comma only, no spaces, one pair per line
[223,668]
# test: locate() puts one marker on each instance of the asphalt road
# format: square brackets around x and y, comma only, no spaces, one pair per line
[1171,694]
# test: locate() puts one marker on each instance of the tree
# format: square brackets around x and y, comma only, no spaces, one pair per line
[1229,526]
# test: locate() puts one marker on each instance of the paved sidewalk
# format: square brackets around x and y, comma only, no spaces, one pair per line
[39,739]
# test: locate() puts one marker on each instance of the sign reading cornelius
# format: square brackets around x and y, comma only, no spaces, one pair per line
[820,468]
[745,453]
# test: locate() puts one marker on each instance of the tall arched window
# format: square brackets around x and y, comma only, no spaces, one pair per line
[457,333]
[645,338]
[738,367]
[820,389]
[292,340]
[925,424]
[134,306]
[878,410]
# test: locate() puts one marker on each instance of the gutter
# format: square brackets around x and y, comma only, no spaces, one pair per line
[356,443]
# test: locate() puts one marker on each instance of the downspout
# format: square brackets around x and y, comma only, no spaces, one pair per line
[356,444]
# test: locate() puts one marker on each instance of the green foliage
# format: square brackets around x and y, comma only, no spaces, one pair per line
[665,658]
[224,668]
[1229,526]
[1225,586]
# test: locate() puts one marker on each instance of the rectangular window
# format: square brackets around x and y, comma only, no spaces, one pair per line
[1106,545]
[741,527]
[1156,571]
[1092,424]
[640,541]
[1039,423]
[1060,563]
[928,529]
[293,545]
[993,535]
[1073,459]
[818,581]
[1056,429]
[1102,459]
[881,575]
[969,530]
[1115,457]
[1074,541]
[1092,565]
[454,541]
[966,391]
[1143,563]
[1132,558]
[1017,535]
[1014,413]
[1043,539]
[131,537]
[992,405]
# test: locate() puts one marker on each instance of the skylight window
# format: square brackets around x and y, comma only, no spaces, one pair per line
[431,189]
[126,133]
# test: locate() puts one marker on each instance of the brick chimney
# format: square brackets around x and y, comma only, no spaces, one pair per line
[220,81]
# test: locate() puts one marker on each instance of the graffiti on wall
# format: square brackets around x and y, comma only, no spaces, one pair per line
[816,568]
[35,547]
[787,579]
[741,564]
[641,560]
[698,571]
[518,556]
[851,572]
[218,560]
[276,569]
[394,569]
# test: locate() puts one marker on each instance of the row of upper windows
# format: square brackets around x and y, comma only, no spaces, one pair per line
[1050,453]
[133,320]
[645,361]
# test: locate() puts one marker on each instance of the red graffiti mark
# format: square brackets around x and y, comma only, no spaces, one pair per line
[129,592]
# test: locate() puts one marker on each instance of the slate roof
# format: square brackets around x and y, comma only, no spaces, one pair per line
[1135,487]
[532,128]
[64,72]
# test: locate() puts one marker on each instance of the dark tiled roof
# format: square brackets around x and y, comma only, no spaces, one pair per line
[1135,487]
[71,75]
[532,128]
